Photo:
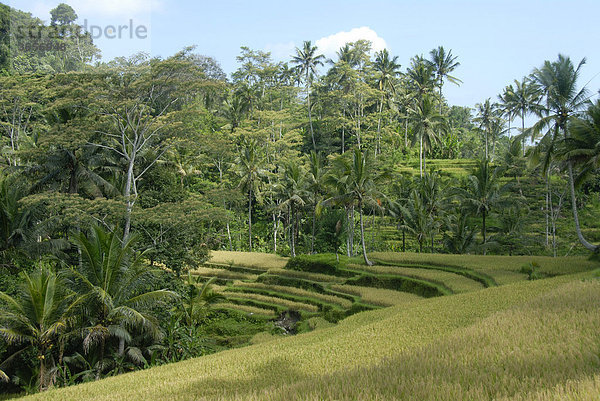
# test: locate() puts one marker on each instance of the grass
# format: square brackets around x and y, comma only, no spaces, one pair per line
[529,341]
[256,260]
[377,296]
[456,282]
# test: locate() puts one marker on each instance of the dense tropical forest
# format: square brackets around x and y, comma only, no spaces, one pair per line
[118,180]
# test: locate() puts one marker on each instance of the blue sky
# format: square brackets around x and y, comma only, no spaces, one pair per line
[495,41]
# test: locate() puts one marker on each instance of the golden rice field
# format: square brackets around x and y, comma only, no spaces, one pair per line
[256,260]
[344,303]
[300,306]
[325,278]
[531,340]
[246,309]
[377,296]
[456,282]
[489,263]
[222,273]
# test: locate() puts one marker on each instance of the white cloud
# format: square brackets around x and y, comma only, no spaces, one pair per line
[329,45]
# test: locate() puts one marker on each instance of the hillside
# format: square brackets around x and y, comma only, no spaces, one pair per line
[501,342]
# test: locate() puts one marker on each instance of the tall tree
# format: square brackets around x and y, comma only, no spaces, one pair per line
[482,193]
[427,123]
[582,149]
[307,61]
[114,283]
[250,170]
[38,316]
[387,70]
[444,64]
[558,81]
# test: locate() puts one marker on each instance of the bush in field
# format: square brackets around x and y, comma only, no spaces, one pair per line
[324,264]
[532,269]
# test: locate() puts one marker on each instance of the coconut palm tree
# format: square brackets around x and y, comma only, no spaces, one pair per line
[427,124]
[293,194]
[113,281]
[421,77]
[563,101]
[521,99]
[582,149]
[249,168]
[387,70]
[316,188]
[307,61]
[38,316]
[444,64]
[362,189]
[485,117]
[482,193]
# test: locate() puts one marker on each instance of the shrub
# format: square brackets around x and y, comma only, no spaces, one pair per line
[532,269]
[324,264]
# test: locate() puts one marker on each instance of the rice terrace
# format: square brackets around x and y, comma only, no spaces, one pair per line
[316,201]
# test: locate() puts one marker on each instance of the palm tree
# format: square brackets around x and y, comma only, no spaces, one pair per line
[387,70]
[415,218]
[482,193]
[250,171]
[522,99]
[197,298]
[362,189]
[444,63]
[38,316]
[307,61]
[431,190]
[563,100]
[459,236]
[421,77]
[427,123]
[113,281]
[292,191]
[582,149]
[316,188]
[338,181]
[485,117]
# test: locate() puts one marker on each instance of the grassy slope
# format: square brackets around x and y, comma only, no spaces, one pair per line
[525,338]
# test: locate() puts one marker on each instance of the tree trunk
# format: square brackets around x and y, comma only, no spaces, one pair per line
[483,231]
[378,147]
[121,346]
[582,239]
[421,155]
[362,236]
[42,376]
[130,202]
[523,130]
[312,134]
[351,228]
[312,240]
[275,226]
[250,218]
[229,237]
[292,232]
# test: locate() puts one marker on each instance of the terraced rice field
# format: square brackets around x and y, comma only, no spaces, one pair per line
[531,340]
[262,282]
